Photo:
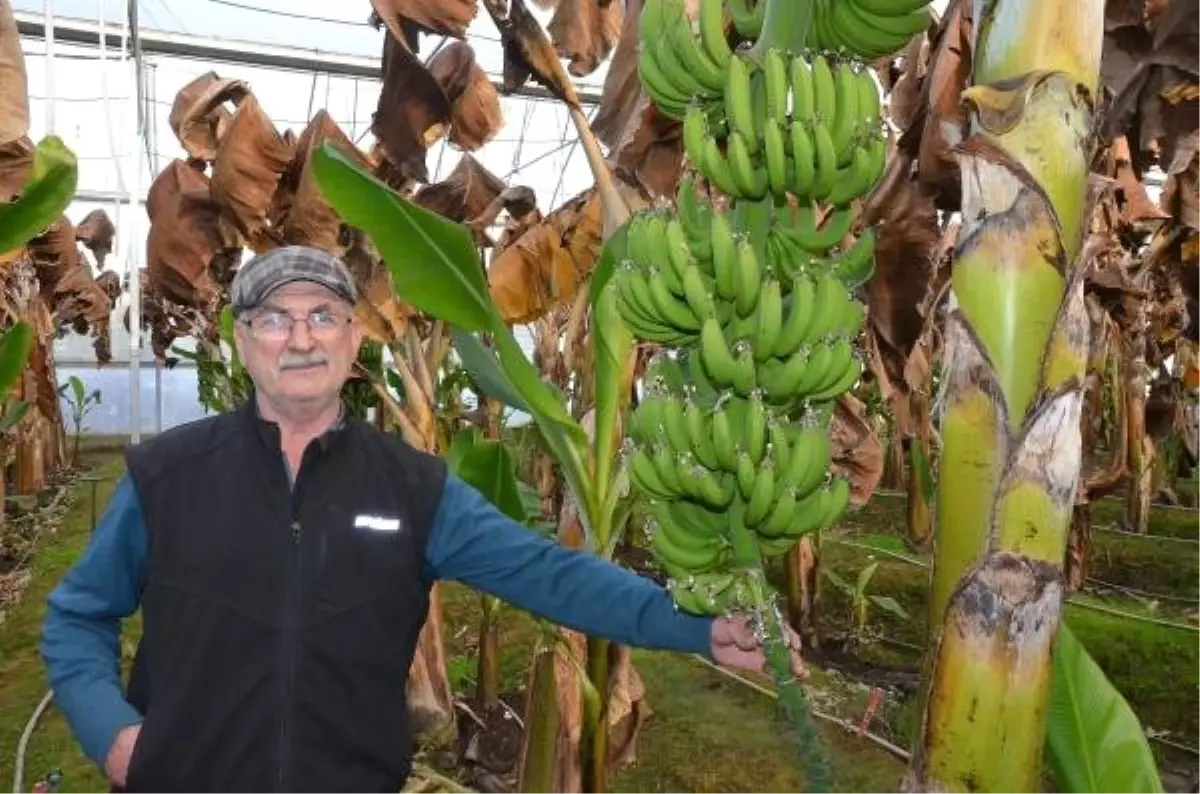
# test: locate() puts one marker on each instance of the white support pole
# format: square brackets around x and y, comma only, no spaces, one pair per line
[132,222]
[48,69]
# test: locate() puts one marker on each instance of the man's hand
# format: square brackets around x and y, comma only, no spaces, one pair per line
[735,645]
[116,763]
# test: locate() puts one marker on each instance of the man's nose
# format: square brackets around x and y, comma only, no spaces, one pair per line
[301,338]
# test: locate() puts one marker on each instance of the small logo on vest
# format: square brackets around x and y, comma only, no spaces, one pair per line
[377,523]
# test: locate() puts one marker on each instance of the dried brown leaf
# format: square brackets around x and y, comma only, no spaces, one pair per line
[906,93]
[532,275]
[185,243]
[412,111]
[448,17]
[621,98]
[464,194]
[96,231]
[14,91]
[202,112]
[584,32]
[250,159]
[309,220]
[476,116]
[857,451]
[16,159]
[941,120]
[528,51]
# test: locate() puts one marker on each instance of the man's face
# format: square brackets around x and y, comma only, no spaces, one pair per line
[299,364]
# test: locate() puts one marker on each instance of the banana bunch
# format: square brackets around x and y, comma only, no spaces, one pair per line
[790,126]
[679,67]
[869,29]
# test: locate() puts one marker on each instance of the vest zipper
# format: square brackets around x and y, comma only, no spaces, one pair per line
[291,627]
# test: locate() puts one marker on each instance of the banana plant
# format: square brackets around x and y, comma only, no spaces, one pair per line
[44,195]
[1016,353]
[436,268]
[82,403]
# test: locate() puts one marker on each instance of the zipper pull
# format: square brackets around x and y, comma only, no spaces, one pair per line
[296,532]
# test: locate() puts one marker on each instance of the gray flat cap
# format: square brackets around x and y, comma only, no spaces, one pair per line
[256,278]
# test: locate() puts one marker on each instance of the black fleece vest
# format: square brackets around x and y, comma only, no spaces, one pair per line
[279,623]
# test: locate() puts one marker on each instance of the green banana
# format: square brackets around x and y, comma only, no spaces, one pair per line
[692,56]
[800,312]
[761,495]
[751,179]
[674,312]
[769,315]
[803,171]
[724,247]
[712,32]
[775,157]
[824,91]
[723,440]
[645,477]
[748,278]
[804,106]
[744,375]
[715,355]
[845,111]
[716,167]
[799,225]
[675,425]
[738,101]
[776,73]
[700,437]
[755,437]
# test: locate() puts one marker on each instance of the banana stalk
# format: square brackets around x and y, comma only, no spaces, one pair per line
[1016,353]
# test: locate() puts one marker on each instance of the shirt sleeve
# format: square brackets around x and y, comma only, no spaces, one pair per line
[80,643]
[473,542]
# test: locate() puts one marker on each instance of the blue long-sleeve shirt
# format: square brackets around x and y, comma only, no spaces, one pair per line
[471,542]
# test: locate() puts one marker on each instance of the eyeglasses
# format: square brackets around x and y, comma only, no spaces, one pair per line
[276,326]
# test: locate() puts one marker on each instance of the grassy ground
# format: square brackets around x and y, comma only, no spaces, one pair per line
[22,678]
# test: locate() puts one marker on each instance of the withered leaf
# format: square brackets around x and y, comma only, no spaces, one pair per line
[250,159]
[16,159]
[907,238]
[857,451]
[532,275]
[585,31]
[528,51]
[476,116]
[464,194]
[309,220]
[185,244]
[201,113]
[448,17]
[14,92]
[96,231]
[411,113]
[621,98]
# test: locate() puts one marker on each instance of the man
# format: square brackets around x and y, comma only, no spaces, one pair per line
[282,556]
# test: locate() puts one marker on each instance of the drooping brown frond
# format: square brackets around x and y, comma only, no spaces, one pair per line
[528,51]
[543,267]
[305,217]
[464,194]
[202,112]
[622,97]
[1149,68]
[585,31]
[939,120]
[476,116]
[412,112]
[186,244]
[14,92]
[96,231]
[250,159]
[16,158]
[448,17]
[857,451]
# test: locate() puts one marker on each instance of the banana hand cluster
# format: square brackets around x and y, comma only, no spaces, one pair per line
[811,129]
[678,67]
[869,29]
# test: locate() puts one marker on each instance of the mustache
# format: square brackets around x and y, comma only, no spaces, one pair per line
[302,360]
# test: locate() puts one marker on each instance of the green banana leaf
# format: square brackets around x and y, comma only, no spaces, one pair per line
[920,464]
[481,363]
[612,343]
[435,268]
[433,260]
[13,415]
[46,193]
[485,464]
[1094,741]
[462,443]
[15,345]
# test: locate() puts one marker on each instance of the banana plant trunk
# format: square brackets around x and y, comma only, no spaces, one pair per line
[919,514]
[1016,355]
[1141,449]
